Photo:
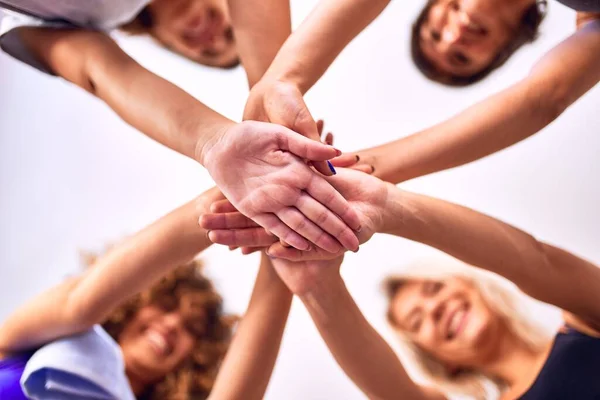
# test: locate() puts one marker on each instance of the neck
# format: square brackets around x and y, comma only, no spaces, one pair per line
[514,363]
[136,382]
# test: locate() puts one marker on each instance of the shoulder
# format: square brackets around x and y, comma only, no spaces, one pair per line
[581,324]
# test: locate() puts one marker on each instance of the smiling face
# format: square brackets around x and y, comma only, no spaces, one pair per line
[458,42]
[173,336]
[448,319]
[158,339]
[199,30]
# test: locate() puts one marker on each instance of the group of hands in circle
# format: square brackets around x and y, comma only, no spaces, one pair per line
[277,188]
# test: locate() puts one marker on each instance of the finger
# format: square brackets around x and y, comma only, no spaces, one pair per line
[366,168]
[222,206]
[276,250]
[232,248]
[250,250]
[284,244]
[346,160]
[328,222]
[234,220]
[274,225]
[302,225]
[329,139]
[305,148]
[251,237]
[320,190]
[320,125]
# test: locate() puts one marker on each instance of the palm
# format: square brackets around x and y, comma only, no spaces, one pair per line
[282,103]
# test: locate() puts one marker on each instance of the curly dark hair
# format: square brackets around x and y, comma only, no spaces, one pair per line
[527,33]
[195,377]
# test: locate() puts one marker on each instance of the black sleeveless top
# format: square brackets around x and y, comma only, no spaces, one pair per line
[572,371]
[582,5]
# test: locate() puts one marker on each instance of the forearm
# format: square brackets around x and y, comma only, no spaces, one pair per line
[544,272]
[311,49]
[261,27]
[149,103]
[130,267]
[247,368]
[140,261]
[361,352]
[561,77]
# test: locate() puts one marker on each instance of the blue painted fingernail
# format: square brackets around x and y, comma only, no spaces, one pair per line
[331,168]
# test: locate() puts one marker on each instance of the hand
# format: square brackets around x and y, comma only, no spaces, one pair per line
[301,276]
[259,168]
[282,103]
[369,196]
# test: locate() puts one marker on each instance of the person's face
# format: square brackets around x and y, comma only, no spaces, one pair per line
[159,338]
[197,29]
[448,319]
[463,37]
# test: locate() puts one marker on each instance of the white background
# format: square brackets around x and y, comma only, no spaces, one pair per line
[73,176]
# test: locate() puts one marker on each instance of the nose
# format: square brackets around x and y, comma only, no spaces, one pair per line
[172,322]
[435,309]
[451,32]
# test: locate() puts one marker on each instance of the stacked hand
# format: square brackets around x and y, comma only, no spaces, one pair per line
[260,168]
[367,195]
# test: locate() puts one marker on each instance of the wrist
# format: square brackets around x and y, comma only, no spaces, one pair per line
[290,75]
[207,136]
[396,212]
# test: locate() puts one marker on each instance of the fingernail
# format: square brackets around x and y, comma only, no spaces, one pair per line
[331,168]
[357,249]
[357,158]
[338,151]
[359,228]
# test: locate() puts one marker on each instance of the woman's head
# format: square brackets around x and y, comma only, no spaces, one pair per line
[199,30]
[459,42]
[451,319]
[174,335]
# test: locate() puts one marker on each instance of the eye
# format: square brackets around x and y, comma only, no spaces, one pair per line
[415,324]
[436,36]
[433,287]
[167,304]
[195,327]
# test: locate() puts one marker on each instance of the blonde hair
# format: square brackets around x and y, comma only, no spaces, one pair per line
[501,296]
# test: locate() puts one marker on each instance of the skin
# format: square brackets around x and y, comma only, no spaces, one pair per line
[498,122]
[200,30]
[78,304]
[540,270]
[93,61]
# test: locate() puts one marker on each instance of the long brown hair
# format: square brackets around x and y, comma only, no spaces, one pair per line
[195,377]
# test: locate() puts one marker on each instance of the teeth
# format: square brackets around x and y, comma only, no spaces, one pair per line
[456,318]
[158,341]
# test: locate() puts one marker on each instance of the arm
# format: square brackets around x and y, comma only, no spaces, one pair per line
[94,62]
[261,27]
[169,115]
[304,57]
[361,352]
[77,304]
[248,365]
[544,272]
[561,77]
[311,49]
